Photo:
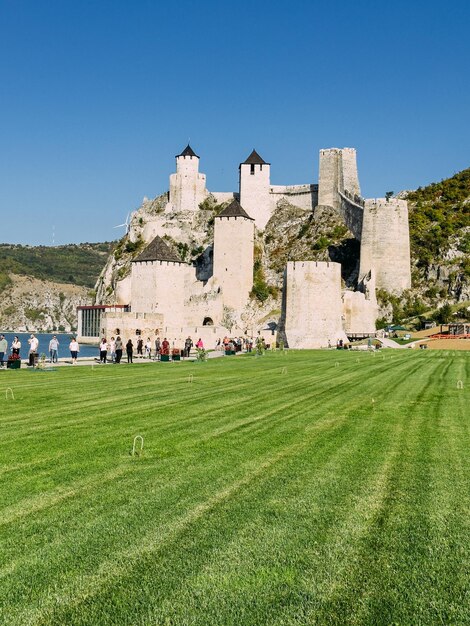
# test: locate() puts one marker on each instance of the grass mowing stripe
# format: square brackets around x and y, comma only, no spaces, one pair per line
[151,543]
[273,550]
[253,479]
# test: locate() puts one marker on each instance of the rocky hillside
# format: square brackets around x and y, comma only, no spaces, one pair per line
[439,216]
[42,286]
[31,304]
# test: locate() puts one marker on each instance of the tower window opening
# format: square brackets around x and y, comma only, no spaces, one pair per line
[252,168]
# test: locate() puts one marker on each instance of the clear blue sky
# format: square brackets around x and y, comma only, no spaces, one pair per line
[96,98]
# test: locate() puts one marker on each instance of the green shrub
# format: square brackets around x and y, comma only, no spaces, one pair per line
[321,243]
[444,314]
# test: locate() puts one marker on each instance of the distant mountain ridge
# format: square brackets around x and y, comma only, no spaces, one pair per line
[77,264]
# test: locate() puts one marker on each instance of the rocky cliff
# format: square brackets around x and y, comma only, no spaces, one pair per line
[31,304]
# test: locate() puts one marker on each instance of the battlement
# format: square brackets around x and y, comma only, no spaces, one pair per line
[312,306]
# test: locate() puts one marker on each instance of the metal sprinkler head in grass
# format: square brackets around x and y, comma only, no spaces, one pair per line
[190,378]
[336,364]
[460,384]
[9,390]
[134,450]
[284,370]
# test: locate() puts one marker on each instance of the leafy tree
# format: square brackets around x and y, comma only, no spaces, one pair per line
[444,314]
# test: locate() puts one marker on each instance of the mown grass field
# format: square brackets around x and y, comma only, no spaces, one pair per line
[334,491]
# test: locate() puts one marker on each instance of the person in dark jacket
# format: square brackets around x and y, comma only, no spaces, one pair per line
[129,350]
[188,344]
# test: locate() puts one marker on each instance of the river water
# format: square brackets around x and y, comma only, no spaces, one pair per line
[44,338]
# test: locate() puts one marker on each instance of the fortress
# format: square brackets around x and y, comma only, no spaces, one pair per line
[165,295]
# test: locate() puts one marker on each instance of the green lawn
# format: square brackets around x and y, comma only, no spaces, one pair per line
[334,491]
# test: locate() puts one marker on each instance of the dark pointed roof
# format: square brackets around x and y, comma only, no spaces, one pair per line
[234,209]
[158,250]
[254,159]
[188,151]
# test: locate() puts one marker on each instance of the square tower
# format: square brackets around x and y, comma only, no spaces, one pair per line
[254,188]
[234,255]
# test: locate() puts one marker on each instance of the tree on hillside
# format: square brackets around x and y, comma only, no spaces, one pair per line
[444,314]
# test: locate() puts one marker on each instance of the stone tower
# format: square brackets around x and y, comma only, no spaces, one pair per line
[234,255]
[312,307]
[187,186]
[385,244]
[254,188]
[337,173]
[159,282]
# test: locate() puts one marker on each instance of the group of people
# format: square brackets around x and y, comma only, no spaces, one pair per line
[236,344]
[15,348]
[112,350]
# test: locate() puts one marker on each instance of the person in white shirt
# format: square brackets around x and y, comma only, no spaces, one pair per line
[112,349]
[16,346]
[103,350]
[74,350]
[33,346]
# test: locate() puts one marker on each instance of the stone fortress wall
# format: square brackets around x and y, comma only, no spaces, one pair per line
[164,291]
[312,309]
[380,225]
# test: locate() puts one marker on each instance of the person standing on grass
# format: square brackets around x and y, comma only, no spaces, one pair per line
[112,349]
[129,350]
[148,348]
[199,344]
[53,349]
[103,350]
[3,349]
[33,347]
[158,345]
[188,344]
[16,346]
[118,347]
[140,346]
[74,350]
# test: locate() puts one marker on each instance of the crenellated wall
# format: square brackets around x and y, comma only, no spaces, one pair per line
[312,307]
[303,196]
[380,225]
[161,287]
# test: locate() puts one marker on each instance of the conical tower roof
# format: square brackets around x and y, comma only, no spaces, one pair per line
[234,209]
[254,159]
[188,151]
[158,250]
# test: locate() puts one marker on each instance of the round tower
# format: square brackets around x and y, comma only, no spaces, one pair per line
[187,185]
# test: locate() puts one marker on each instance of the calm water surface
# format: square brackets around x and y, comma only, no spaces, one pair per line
[44,338]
